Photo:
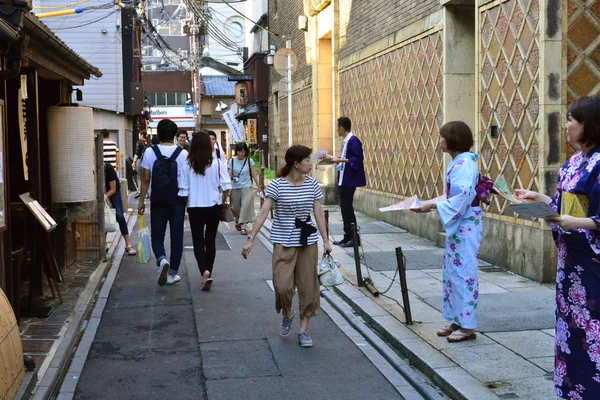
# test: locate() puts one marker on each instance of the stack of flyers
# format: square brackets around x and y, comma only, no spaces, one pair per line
[505,190]
[524,208]
[318,155]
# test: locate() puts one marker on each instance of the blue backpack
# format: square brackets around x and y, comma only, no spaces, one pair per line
[164,178]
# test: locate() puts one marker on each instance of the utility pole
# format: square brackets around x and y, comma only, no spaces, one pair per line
[288,67]
[137,73]
[197,81]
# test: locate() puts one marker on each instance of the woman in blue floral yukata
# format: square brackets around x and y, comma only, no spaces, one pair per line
[577,235]
[461,216]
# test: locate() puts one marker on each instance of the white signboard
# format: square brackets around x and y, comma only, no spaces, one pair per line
[178,114]
[234,126]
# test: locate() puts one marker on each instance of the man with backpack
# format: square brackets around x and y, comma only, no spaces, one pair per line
[162,165]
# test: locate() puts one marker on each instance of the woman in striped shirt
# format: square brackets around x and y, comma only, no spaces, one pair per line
[294,195]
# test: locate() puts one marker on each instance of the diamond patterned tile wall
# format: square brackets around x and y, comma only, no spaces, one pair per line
[508,90]
[395,103]
[302,121]
[582,40]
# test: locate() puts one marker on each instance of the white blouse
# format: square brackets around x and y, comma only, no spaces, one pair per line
[204,190]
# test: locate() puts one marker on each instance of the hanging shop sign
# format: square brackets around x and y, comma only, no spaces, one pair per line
[251,129]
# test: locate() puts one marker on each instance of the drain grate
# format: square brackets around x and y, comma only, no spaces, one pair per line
[36,345]
[42,330]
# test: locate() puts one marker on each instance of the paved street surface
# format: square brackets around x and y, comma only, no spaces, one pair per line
[513,356]
[177,342]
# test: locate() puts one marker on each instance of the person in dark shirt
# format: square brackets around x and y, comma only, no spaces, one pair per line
[182,140]
[113,192]
[140,148]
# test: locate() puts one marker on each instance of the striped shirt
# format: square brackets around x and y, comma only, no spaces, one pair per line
[110,152]
[292,202]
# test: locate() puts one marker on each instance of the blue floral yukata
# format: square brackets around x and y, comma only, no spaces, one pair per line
[461,216]
[577,339]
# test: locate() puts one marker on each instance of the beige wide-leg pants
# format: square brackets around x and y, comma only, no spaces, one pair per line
[296,267]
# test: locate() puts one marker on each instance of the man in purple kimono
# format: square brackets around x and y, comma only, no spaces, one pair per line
[352,175]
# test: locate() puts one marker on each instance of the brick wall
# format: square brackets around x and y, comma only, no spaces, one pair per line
[372,20]
[283,20]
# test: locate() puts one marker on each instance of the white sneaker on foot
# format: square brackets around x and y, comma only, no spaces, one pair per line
[171,279]
[163,271]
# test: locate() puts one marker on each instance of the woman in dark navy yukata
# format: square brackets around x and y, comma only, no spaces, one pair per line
[577,235]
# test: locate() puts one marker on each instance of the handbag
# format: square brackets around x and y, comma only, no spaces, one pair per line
[227,213]
[328,271]
[110,217]
[226,210]
[144,247]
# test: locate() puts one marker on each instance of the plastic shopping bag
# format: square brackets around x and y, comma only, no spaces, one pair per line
[144,248]
[328,271]
[110,217]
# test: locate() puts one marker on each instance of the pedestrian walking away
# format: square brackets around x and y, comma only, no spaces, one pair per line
[110,150]
[294,195]
[241,171]
[113,192]
[461,215]
[577,236]
[352,175]
[206,185]
[140,148]
[163,165]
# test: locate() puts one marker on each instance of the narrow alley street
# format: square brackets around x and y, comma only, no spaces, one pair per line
[178,342]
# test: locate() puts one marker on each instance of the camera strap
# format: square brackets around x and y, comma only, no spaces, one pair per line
[241,169]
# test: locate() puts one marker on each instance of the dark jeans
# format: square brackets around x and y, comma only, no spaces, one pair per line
[117,204]
[159,216]
[204,222]
[347,209]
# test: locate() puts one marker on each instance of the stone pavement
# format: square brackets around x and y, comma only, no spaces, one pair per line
[513,355]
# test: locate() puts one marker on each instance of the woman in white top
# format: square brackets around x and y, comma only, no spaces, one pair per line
[294,195]
[206,184]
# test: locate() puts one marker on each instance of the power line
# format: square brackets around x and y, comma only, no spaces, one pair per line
[87,23]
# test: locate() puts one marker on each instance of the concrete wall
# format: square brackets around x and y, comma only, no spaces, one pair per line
[103,50]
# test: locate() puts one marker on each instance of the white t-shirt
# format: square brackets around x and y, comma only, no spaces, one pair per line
[167,151]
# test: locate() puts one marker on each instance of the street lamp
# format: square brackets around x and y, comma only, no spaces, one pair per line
[221,106]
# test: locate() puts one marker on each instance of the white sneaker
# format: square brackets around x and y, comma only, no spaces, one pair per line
[163,271]
[171,279]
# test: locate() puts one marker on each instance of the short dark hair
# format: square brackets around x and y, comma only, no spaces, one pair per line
[143,133]
[105,133]
[345,123]
[586,110]
[294,154]
[458,136]
[182,132]
[166,130]
[241,146]
[212,133]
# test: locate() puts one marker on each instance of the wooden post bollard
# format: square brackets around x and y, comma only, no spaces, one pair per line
[403,285]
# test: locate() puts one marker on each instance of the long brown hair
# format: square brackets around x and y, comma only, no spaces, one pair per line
[293,155]
[200,156]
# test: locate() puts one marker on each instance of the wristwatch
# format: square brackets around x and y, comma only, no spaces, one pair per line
[250,237]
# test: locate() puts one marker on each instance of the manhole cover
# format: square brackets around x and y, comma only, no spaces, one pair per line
[238,359]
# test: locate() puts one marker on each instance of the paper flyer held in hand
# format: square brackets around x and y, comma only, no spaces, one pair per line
[535,209]
[406,204]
